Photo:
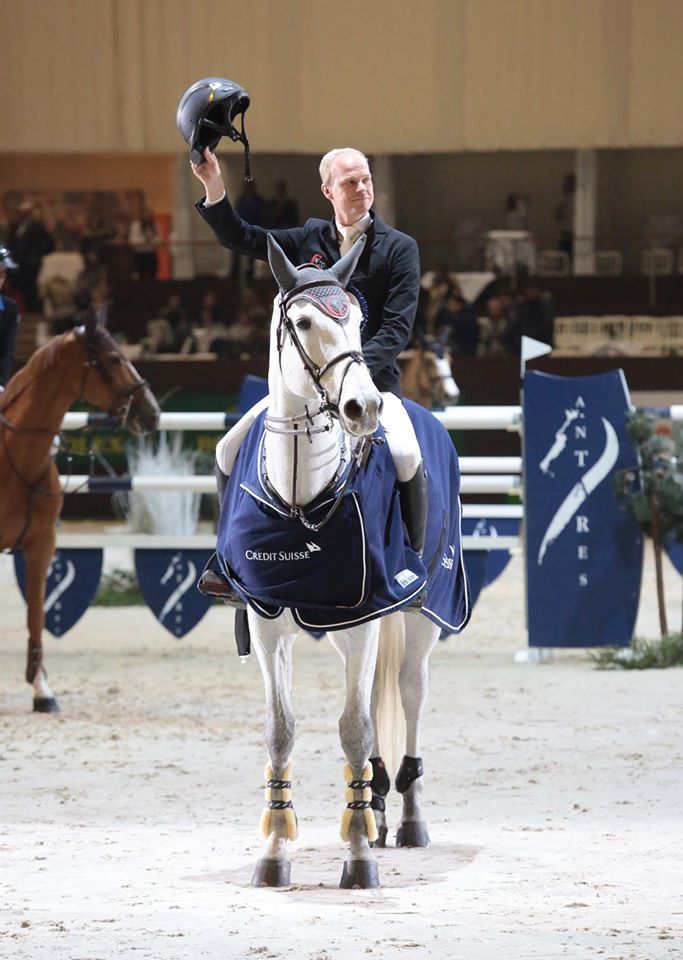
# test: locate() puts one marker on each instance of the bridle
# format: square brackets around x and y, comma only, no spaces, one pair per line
[304,423]
[122,399]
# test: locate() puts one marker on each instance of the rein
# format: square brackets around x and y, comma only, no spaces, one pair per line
[292,426]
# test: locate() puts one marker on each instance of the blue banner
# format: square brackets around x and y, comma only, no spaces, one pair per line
[72,581]
[584,549]
[675,553]
[168,582]
[484,526]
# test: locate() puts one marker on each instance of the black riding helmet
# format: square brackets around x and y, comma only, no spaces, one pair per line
[206,112]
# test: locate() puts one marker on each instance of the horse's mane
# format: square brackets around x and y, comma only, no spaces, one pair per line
[43,359]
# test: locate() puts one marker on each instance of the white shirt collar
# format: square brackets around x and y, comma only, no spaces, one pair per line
[361,225]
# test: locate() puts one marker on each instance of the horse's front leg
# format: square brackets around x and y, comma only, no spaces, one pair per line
[358,650]
[37,554]
[273,649]
[421,636]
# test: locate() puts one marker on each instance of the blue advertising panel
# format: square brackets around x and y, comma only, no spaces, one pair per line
[72,581]
[584,549]
[675,553]
[484,526]
[168,582]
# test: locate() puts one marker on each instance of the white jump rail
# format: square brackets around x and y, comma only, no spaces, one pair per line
[206,483]
[453,418]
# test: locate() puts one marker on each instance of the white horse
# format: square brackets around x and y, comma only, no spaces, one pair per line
[322,402]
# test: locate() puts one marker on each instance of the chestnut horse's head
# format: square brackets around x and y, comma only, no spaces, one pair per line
[111,382]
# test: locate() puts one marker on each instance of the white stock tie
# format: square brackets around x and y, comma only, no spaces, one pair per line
[348,241]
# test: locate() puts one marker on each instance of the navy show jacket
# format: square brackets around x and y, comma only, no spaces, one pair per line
[387,276]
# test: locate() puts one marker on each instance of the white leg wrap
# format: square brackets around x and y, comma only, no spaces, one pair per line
[403,445]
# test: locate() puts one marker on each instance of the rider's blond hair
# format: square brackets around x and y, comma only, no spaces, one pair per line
[329,158]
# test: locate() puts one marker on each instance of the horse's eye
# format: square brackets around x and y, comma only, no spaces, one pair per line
[303,324]
[114,360]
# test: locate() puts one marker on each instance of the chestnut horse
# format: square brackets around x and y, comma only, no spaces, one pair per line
[83,364]
[426,375]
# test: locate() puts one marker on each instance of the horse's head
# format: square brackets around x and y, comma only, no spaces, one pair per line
[316,349]
[436,360]
[111,382]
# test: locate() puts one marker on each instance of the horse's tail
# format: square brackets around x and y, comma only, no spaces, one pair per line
[390,719]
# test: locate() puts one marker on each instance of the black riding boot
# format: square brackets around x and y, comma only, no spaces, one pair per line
[213,582]
[413,498]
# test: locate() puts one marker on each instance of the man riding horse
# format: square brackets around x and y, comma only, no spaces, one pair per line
[386,280]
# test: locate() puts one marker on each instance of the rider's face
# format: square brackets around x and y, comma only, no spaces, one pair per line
[349,188]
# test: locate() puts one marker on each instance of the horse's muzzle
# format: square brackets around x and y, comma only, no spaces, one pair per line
[361,416]
[144,413]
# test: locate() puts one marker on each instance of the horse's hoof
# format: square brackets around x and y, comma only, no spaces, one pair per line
[381,840]
[45,705]
[359,873]
[412,833]
[272,873]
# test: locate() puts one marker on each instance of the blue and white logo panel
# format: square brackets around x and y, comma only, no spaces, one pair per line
[484,526]
[584,550]
[72,581]
[168,582]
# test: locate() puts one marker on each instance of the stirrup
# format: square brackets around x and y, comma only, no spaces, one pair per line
[215,585]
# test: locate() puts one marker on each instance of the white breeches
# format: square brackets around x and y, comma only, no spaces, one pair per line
[399,431]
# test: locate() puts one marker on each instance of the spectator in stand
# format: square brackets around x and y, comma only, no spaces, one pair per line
[534,316]
[251,209]
[494,323]
[95,235]
[90,281]
[456,325]
[517,211]
[9,321]
[282,212]
[143,237]
[59,273]
[564,215]
[178,321]
[210,314]
[30,242]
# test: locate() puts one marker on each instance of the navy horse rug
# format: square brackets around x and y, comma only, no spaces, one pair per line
[359,564]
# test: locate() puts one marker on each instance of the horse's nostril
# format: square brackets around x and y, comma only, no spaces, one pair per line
[380,406]
[353,410]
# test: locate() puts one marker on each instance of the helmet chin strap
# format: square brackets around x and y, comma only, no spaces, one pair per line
[242,137]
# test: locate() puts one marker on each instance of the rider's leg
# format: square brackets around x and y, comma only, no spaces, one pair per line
[410,472]
[212,581]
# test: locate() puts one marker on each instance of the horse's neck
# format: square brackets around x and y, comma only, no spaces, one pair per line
[316,458]
[36,415]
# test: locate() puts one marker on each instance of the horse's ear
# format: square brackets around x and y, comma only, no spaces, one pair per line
[90,321]
[343,269]
[284,272]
